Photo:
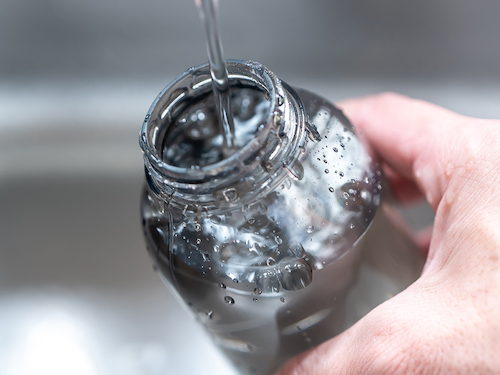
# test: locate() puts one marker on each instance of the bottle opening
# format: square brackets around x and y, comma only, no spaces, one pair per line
[181,137]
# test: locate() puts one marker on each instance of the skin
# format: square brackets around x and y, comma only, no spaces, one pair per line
[448,321]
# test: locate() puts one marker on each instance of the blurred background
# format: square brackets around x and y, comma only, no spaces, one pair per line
[77,291]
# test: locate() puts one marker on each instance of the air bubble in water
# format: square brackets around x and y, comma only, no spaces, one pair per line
[278,240]
[295,274]
[197,227]
[331,189]
[229,300]
[222,285]
[341,174]
[327,171]
[351,226]
[198,241]
[282,299]
[257,291]
[270,261]
[310,229]
[210,314]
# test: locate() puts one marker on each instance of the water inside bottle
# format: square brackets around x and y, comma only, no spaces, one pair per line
[195,139]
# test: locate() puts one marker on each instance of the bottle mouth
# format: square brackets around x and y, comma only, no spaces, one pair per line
[178,95]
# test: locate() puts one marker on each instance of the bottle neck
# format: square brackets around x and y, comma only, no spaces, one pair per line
[248,174]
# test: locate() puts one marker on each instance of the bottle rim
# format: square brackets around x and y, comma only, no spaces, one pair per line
[178,91]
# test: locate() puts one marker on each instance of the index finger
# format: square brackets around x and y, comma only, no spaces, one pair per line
[415,138]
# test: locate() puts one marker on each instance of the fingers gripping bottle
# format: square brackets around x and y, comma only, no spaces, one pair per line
[281,241]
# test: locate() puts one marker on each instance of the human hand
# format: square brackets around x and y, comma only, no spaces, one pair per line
[448,321]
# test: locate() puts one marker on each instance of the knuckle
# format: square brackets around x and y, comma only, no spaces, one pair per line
[394,350]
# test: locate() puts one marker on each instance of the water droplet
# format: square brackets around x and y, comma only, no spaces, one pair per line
[235,281]
[270,261]
[310,229]
[198,241]
[276,289]
[230,195]
[298,250]
[379,186]
[331,189]
[229,300]
[278,240]
[210,314]
[197,227]
[282,299]
[257,291]
[222,285]
[341,174]
[255,299]
[345,195]
[216,248]
[351,226]
[327,171]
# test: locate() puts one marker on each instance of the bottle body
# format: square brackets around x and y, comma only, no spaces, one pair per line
[279,257]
